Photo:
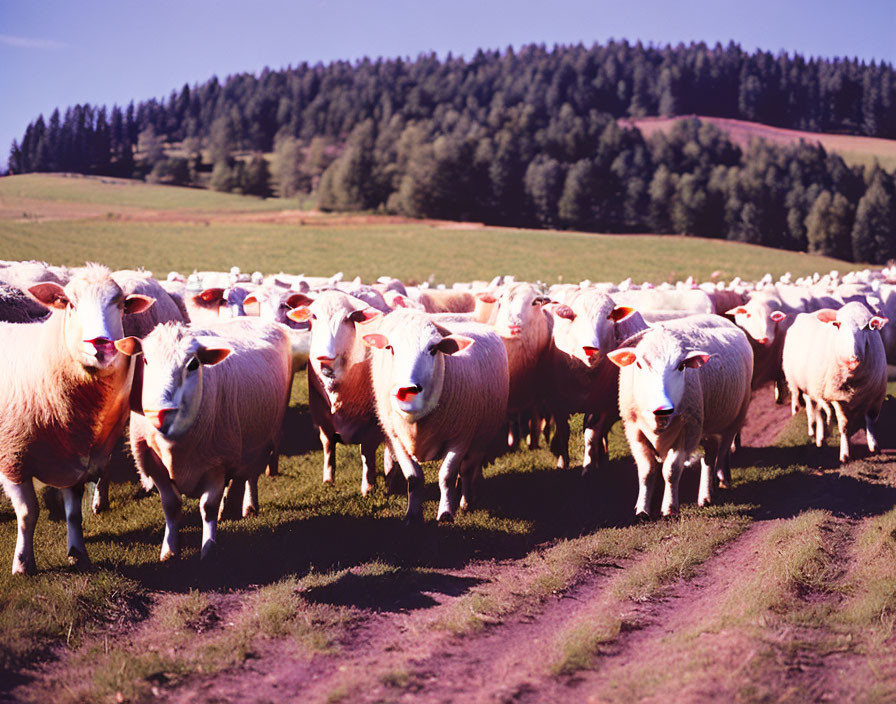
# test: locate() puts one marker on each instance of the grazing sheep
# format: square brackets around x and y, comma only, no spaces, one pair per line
[525,329]
[340,395]
[837,358]
[441,392]
[213,403]
[65,399]
[577,376]
[682,384]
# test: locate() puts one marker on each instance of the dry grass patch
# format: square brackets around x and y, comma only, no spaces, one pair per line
[674,555]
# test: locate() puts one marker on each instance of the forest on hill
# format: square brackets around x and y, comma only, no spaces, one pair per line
[525,138]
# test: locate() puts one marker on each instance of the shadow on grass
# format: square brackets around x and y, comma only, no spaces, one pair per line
[812,478]
[393,591]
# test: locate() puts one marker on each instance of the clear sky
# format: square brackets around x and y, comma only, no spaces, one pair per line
[61,52]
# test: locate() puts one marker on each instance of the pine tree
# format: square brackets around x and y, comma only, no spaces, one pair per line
[874,231]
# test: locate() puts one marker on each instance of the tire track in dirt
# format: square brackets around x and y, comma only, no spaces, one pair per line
[688,607]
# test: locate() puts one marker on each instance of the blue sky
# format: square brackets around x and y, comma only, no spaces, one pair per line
[61,52]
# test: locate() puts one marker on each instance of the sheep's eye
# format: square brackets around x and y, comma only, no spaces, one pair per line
[638,365]
[681,366]
[193,365]
[433,350]
[389,347]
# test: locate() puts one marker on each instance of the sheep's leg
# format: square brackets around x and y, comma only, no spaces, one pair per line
[560,441]
[368,465]
[77,551]
[414,475]
[448,486]
[208,508]
[842,423]
[671,474]
[24,501]
[101,492]
[171,507]
[393,478]
[329,444]
[707,467]
[596,454]
[647,466]
[871,432]
[820,424]
[811,415]
[250,497]
[234,499]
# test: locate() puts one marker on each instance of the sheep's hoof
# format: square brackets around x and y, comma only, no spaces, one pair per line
[446,517]
[413,518]
[26,567]
[167,554]
[77,558]
[642,517]
[209,550]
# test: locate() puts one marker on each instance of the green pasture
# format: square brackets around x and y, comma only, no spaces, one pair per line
[412,251]
[115,192]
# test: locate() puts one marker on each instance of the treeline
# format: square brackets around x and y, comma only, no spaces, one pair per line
[524,137]
[622,79]
[591,174]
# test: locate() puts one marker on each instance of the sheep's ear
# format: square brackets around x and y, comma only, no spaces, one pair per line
[49,294]
[364,315]
[453,344]
[623,357]
[300,315]
[620,313]
[129,346]
[251,305]
[486,297]
[695,360]
[212,295]
[294,300]
[738,310]
[376,340]
[778,316]
[212,355]
[138,303]
[564,311]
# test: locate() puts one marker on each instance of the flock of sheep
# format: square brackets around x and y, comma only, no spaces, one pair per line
[199,369]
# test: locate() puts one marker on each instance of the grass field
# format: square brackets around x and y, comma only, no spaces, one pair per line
[546,591]
[167,239]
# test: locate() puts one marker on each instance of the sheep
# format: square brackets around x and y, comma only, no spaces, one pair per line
[273,303]
[65,399]
[682,384]
[447,301]
[440,393]
[837,358]
[765,318]
[340,396]
[138,324]
[684,299]
[577,376]
[525,328]
[213,402]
